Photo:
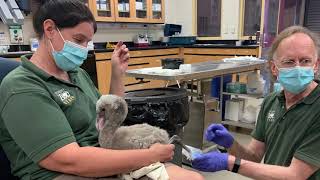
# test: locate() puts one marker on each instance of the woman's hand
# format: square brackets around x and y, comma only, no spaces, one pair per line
[120,58]
[162,152]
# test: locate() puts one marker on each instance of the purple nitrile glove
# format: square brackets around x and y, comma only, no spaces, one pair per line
[218,134]
[211,162]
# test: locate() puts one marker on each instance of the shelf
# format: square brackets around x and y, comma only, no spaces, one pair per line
[239,124]
[141,10]
[103,10]
[257,96]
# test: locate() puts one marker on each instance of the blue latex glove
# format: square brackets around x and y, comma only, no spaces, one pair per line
[218,134]
[211,162]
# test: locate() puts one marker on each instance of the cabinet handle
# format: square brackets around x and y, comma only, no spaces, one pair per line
[137,64]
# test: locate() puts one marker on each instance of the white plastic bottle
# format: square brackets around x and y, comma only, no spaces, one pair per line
[34,44]
[255,83]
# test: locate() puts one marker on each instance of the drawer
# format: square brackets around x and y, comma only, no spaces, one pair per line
[147,85]
[248,52]
[221,51]
[103,56]
[210,51]
[130,80]
[144,62]
[155,52]
[142,53]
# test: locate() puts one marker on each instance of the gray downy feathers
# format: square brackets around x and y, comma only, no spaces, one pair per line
[111,112]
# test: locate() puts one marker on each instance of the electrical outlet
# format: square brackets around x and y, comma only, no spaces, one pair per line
[16,35]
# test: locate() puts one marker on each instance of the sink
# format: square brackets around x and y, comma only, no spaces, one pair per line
[210,45]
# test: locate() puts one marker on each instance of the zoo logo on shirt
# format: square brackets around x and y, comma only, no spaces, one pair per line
[271,116]
[65,96]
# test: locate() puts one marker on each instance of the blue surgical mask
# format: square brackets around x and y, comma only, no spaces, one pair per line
[295,79]
[71,56]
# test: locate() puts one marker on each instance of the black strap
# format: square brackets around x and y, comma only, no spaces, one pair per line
[236,165]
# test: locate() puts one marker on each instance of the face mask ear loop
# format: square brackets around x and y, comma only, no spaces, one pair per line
[51,45]
[61,35]
[274,63]
[278,71]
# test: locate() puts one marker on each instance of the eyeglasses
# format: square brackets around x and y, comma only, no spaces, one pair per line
[287,63]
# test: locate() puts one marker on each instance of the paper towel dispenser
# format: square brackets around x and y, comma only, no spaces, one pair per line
[24,5]
[172,29]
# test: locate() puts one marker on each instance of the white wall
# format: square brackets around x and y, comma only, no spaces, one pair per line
[125,32]
[176,12]
[181,12]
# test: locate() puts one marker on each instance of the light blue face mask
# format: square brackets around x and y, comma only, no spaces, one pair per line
[296,79]
[71,56]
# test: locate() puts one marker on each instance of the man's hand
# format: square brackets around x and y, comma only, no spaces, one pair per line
[218,134]
[162,152]
[119,59]
[211,162]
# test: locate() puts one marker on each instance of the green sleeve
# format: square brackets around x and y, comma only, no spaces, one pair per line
[309,149]
[259,132]
[36,124]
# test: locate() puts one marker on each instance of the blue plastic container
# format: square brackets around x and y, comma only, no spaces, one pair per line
[215,90]
[215,85]
[182,40]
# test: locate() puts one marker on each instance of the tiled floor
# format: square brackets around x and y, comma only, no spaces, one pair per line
[225,175]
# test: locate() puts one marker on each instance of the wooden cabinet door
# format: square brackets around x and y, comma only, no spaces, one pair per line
[209,18]
[144,11]
[103,10]
[141,13]
[156,11]
[124,10]
[250,18]
[104,76]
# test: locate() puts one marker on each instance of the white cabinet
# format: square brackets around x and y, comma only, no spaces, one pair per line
[230,18]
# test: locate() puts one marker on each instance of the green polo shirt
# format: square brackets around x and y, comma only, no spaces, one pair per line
[40,114]
[290,133]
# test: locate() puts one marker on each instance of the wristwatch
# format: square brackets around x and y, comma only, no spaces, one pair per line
[236,165]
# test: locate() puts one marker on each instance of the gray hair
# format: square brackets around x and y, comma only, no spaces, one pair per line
[291,31]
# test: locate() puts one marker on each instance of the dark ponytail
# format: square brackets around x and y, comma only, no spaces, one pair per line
[65,14]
